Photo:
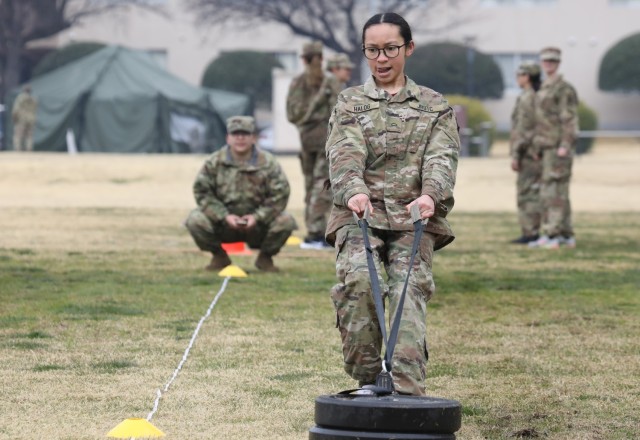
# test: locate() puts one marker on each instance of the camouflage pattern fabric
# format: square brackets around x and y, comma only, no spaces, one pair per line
[355,308]
[523,124]
[224,187]
[23,115]
[317,202]
[394,149]
[556,114]
[309,107]
[522,149]
[556,127]
[554,194]
[528,195]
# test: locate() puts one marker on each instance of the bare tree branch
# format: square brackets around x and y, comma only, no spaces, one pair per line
[336,23]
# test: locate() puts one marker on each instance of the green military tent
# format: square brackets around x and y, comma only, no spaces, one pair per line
[120,100]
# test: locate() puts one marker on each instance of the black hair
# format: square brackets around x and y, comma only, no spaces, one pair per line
[390,18]
[535,81]
[308,58]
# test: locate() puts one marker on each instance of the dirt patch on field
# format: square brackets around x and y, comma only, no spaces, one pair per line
[606,180]
[53,197]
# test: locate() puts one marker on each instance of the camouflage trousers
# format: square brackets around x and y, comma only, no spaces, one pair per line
[317,199]
[554,194]
[23,136]
[528,195]
[269,238]
[355,308]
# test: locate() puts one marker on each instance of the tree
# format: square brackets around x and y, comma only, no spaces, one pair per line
[619,69]
[334,22]
[244,71]
[24,21]
[452,68]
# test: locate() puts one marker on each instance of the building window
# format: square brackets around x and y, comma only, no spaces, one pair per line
[517,2]
[508,64]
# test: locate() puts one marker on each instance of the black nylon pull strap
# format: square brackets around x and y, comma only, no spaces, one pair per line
[393,336]
[373,273]
[384,378]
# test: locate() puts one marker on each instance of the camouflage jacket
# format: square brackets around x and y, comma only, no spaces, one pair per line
[523,124]
[309,108]
[24,108]
[393,149]
[224,187]
[556,114]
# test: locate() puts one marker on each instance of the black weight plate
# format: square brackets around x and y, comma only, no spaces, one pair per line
[320,433]
[393,413]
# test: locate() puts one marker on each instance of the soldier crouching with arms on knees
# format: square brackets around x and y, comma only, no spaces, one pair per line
[393,144]
[241,193]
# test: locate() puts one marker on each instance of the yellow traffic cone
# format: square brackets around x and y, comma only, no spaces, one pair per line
[232,271]
[136,428]
[293,241]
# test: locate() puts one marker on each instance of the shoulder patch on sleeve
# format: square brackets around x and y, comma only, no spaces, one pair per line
[430,101]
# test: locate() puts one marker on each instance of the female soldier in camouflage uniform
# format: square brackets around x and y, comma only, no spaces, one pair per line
[525,159]
[392,144]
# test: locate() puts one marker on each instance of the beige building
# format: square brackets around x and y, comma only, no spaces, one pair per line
[509,30]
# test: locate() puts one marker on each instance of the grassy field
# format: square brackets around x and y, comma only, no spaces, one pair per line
[97,305]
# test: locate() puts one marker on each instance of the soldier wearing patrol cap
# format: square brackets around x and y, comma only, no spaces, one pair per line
[525,158]
[340,66]
[556,134]
[241,193]
[393,145]
[310,100]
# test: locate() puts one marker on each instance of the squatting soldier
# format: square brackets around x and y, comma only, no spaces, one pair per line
[310,99]
[23,115]
[525,159]
[241,193]
[341,67]
[393,144]
[556,135]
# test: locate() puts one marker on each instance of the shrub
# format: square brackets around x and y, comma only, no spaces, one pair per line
[477,117]
[443,67]
[587,120]
[65,55]
[246,71]
[620,69]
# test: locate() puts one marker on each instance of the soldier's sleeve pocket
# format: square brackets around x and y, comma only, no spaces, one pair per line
[426,248]
[422,128]
[341,238]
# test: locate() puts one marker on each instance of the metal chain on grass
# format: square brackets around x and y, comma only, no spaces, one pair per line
[186,352]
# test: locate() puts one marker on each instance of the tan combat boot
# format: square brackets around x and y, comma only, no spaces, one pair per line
[264,262]
[219,261]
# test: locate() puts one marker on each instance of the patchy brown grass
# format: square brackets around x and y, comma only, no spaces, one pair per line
[101,288]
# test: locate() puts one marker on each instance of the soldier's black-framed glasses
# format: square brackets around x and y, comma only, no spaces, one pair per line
[373,53]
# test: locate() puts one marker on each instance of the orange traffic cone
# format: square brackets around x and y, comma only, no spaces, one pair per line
[236,248]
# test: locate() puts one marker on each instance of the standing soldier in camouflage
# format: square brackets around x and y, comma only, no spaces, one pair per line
[23,115]
[341,67]
[525,159]
[556,134]
[241,193]
[393,144]
[310,100]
